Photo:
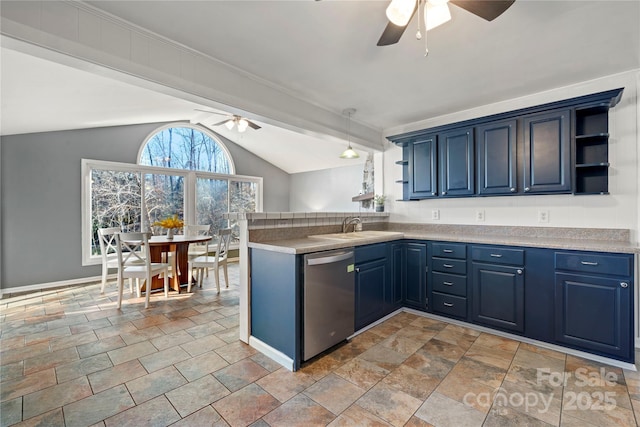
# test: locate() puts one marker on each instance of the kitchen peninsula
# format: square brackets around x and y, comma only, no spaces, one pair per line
[565,288]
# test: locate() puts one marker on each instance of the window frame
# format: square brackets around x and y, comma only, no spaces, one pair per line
[190,180]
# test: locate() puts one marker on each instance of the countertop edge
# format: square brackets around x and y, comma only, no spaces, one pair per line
[308,245]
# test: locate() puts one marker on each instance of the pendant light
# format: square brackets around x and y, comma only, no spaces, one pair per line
[349,153]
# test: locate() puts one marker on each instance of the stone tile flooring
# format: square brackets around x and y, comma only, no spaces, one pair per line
[70,358]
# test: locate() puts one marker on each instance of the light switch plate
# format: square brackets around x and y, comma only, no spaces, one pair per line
[435,214]
[479,215]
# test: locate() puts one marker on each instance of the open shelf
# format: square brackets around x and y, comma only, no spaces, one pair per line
[402,162]
[362,197]
[592,150]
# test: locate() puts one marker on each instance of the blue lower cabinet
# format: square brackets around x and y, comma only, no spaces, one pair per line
[394,295]
[498,296]
[415,288]
[371,281]
[595,314]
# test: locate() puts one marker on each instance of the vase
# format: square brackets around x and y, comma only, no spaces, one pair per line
[379,208]
[169,233]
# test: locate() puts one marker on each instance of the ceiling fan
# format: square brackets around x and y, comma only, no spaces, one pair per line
[400,12]
[242,123]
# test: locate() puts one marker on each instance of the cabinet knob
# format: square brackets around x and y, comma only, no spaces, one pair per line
[624,284]
[434,194]
[519,271]
[444,193]
[448,304]
[357,269]
[512,189]
[526,188]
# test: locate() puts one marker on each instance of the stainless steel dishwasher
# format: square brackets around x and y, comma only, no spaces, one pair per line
[329,300]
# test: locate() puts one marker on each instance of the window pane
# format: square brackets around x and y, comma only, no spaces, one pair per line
[115,202]
[185,148]
[212,202]
[242,198]
[163,196]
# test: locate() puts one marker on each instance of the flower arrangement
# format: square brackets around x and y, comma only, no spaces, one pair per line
[379,199]
[170,222]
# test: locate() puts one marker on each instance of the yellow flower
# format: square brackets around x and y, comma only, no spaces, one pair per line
[170,222]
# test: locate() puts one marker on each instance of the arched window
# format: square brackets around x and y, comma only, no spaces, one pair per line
[184,146]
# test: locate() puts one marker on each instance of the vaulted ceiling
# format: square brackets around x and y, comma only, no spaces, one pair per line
[325,53]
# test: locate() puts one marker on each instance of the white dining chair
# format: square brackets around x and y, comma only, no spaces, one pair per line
[108,253]
[134,261]
[219,259]
[197,249]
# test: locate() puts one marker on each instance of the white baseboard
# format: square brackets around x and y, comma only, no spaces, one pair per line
[49,285]
[271,352]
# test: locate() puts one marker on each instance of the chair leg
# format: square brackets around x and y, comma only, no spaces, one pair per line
[218,279]
[147,292]
[138,287]
[166,284]
[120,286]
[189,278]
[226,274]
[104,279]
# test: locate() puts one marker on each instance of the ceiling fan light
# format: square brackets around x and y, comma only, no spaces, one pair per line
[436,14]
[438,2]
[242,125]
[229,124]
[349,153]
[399,11]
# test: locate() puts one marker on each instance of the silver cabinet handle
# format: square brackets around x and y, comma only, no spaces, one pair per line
[624,284]
[448,304]
[588,263]
[512,189]
[447,251]
[448,283]
[434,193]
[496,255]
[519,271]
[444,193]
[526,188]
[357,269]
[447,265]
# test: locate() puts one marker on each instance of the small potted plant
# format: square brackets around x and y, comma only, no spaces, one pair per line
[379,199]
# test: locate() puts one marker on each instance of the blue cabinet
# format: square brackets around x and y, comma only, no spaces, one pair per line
[448,279]
[496,158]
[594,303]
[416,275]
[498,296]
[422,167]
[398,256]
[374,284]
[547,152]
[456,163]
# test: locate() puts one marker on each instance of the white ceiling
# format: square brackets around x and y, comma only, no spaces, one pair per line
[325,53]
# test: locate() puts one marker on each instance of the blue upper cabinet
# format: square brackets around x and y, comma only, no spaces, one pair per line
[555,148]
[456,151]
[423,167]
[496,158]
[547,152]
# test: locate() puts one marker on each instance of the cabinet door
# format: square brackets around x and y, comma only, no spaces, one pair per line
[371,281]
[393,295]
[422,168]
[498,296]
[456,162]
[496,158]
[594,313]
[547,152]
[416,279]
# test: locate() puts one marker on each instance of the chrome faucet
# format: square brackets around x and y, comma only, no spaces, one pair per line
[357,224]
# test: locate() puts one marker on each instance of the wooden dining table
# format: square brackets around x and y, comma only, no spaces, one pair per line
[179,246]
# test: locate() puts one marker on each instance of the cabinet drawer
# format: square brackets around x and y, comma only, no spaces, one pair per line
[370,252]
[445,265]
[449,283]
[495,255]
[619,265]
[449,305]
[450,250]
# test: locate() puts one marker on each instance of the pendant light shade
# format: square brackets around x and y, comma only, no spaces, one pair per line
[349,153]
[399,11]
[436,13]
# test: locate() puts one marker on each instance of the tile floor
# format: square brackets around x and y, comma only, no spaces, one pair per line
[70,358]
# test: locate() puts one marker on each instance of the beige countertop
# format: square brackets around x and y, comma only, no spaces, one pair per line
[335,241]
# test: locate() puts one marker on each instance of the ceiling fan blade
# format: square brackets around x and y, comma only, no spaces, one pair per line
[486,9]
[220,123]
[253,125]
[393,32]
[210,112]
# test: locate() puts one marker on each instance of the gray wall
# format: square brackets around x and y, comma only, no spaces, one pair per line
[326,190]
[41,212]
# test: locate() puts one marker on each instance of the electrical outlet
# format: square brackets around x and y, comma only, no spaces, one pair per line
[479,215]
[543,216]
[435,214]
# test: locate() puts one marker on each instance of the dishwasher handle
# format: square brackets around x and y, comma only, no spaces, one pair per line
[330,259]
